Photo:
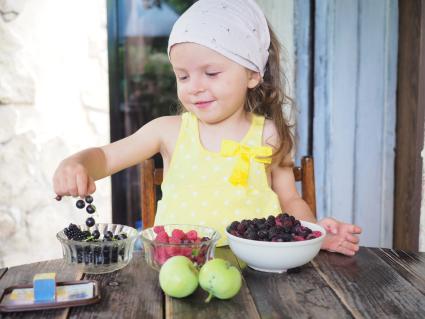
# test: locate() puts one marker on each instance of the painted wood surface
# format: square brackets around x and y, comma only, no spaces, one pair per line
[354,86]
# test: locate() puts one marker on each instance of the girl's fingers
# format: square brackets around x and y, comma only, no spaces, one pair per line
[91,185]
[354,229]
[352,238]
[71,186]
[81,180]
[346,251]
[350,246]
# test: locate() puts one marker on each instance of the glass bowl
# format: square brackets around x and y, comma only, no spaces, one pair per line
[276,257]
[157,253]
[103,256]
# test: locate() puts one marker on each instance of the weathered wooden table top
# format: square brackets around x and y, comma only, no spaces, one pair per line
[376,283]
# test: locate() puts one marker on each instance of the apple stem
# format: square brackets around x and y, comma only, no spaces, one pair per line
[209,297]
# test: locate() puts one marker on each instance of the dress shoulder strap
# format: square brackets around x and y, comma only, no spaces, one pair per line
[254,137]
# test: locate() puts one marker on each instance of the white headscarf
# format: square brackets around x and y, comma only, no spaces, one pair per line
[236,29]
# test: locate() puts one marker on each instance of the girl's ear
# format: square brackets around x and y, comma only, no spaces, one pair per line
[254,79]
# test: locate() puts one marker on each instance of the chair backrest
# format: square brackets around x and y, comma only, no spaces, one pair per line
[151,177]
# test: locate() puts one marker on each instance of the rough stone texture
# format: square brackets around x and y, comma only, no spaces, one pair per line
[53,102]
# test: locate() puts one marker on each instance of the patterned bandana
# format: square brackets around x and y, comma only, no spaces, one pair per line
[236,29]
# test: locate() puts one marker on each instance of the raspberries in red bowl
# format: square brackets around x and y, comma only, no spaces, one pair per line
[275,244]
[165,241]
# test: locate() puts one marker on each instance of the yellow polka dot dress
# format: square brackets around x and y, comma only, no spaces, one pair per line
[214,189]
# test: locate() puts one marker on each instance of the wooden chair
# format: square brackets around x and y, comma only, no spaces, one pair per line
[151,177]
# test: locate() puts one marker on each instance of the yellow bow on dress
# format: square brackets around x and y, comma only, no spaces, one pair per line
[240,172]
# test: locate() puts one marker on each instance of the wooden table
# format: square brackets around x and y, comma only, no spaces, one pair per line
[376,283]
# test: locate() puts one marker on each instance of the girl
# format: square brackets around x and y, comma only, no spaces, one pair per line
[228,156]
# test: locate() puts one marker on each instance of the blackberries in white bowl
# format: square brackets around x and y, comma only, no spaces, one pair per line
[275,244]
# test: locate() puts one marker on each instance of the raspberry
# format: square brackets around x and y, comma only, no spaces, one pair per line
[159,229]
[192,235]
[178,234]
[174,240]
[162,237]
[160,255]
[297,238]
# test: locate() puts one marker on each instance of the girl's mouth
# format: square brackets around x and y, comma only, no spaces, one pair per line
[203,104]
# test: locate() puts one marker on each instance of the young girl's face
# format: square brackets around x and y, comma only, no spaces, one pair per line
[209,84]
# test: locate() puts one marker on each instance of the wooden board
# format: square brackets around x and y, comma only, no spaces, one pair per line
[132,292]
[299,293]
[409,265]
[355,282]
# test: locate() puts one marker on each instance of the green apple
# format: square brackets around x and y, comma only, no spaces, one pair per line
[220,279]
[178,277]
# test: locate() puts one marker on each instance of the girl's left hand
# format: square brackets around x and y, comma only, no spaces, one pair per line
[341,237]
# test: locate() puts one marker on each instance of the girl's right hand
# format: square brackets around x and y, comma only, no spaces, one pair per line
[72,178]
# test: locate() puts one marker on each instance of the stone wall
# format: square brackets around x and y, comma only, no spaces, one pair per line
[53,102]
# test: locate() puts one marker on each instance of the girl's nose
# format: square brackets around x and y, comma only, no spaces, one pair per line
[196,86]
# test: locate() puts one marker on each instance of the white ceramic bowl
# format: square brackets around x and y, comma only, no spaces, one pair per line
[276,256]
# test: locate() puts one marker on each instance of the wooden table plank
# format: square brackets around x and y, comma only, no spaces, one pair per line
[298,293]
[369,287]
[409,265]
[193,306]
[132,292]
[24,274]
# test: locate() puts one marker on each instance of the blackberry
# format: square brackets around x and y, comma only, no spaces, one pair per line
[122,252]
[270,219]
[262,234]
[97,255]
[90,222]
[79,254]
[89,199]
[234,225]
[73,232]
[88,255]
[241,228]
[80,204]
[90,209]
[106,255]
[114,254]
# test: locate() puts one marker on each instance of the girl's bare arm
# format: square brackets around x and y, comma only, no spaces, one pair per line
[76,174]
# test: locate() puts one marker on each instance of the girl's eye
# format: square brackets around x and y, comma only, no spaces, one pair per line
[182,78]
[212,74]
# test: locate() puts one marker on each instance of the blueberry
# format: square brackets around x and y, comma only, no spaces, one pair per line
[58,197]
[90,209]
[80,204]
[90,222]
[96,234]
[123,236]
[108,235]
[89,199]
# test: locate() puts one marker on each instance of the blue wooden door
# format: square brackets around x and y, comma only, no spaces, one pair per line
[346,64]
